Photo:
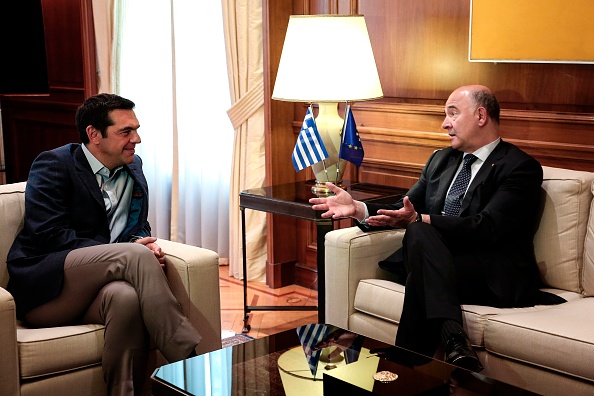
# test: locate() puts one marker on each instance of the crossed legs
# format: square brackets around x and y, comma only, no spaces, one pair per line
[123,287]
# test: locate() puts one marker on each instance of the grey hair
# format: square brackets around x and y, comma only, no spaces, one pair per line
[486,99]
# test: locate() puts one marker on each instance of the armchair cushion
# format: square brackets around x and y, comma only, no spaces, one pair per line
[370,291]
[55,350]
[541,337]
[588,272]
[12,212]
[559,241]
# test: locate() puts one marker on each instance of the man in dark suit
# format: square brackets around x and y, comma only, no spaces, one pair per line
[85,254]
[473,246]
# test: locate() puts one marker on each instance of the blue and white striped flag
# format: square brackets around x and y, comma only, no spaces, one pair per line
[309,336]
[309,148]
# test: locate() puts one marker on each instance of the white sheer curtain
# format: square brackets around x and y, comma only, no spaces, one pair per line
[171,63]
[245,65]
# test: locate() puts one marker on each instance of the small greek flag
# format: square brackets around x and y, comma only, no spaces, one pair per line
[309,148]
[309,336]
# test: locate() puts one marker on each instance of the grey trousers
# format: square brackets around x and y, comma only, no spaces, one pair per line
[123,287]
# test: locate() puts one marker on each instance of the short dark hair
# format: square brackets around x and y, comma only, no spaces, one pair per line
[95,111]
[486,99]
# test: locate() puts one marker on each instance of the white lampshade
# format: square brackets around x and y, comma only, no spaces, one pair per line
[327,58]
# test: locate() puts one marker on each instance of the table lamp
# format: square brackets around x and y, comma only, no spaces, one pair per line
[327,59]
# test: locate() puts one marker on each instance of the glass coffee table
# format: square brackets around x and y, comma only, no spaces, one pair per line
[337,362]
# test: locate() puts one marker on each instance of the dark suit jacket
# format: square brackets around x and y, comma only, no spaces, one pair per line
[498,218]
[64,210]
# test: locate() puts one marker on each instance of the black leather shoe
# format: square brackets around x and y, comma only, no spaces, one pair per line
[459,352]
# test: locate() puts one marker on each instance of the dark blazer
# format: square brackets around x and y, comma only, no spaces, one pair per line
[64,210]
[498,218]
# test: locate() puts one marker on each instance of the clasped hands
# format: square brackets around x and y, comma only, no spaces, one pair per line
[342,205]
[149,242]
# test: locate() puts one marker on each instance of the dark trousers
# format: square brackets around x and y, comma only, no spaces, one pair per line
[441,276]
[123,287]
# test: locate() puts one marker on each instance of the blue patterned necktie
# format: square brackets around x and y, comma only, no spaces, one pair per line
[453,201]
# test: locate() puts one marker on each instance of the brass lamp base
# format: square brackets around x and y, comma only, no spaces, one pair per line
[320,189]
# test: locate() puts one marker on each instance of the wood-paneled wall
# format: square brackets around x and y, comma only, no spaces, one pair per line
[421,51]
[32,124]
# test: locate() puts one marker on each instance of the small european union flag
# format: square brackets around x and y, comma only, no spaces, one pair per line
[351,148]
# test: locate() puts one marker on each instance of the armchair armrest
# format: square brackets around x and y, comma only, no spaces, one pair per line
[9,361]
[193,275]
[352,255]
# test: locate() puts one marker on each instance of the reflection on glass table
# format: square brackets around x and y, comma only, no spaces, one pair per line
[319,360]
[207,374]
[294,369]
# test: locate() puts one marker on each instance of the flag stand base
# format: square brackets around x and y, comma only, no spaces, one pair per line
[320,189]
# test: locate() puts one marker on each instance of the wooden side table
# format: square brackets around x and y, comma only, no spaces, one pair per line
[292,200]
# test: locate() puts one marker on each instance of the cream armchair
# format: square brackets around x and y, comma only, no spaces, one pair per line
[547,349]
[67,360]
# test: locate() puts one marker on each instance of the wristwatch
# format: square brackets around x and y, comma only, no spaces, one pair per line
[134,238]
[419,218]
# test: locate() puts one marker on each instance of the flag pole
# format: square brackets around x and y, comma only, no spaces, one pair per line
[347,108]
[314,120]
